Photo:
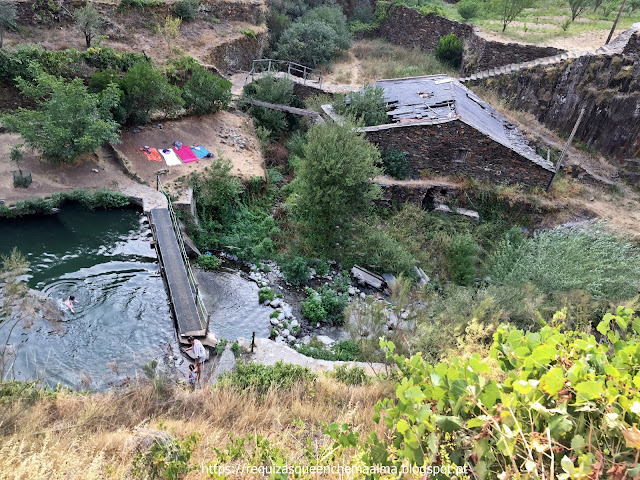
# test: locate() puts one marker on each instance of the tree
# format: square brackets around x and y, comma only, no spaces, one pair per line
[334,183]
[449,50]
[7,17]
[273,90]
[578,6]
[309,43]
[16,156]
[332,16]
[367,105]
[69,121]
[88,22]
[508,10]
[146,91]
[170,31]
[206,93]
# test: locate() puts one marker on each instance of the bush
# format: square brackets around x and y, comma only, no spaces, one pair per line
[165,458]
[449,50]
[331,15]
[312,308]
[147,91]
[186,9]
[344,351]
[351,376]
[273,90]
[208,262]
[265,293]
[592,259]
[396,163]
[206,93]
[309,43]
[462,256]
[467,9]
[383,253]
[347,351]
[262,378]
[367,105]
[295,270]
[333,304]
[363,12]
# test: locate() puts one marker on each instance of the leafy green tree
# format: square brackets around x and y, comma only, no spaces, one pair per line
[449,50]
[88,22]
[508,10]
[468,9]
[68,120]
[186,9]
[367,105]
[147,91]
[218,191]
[8,15]
[333,186]
[273,90]
[578,6]
[206,93]
[332,16]
[309,43]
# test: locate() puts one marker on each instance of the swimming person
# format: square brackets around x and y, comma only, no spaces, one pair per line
[199,352]
[69,303]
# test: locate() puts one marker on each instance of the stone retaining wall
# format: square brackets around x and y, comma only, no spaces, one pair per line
[238,53]
[633,46]
[407,27]
[454,148]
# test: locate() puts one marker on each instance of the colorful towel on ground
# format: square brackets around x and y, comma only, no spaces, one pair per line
[186,154]
[151,153]
[170,157]
[201,152]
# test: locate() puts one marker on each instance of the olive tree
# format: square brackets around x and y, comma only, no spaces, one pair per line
[8,15]
[88,22]
[508,10]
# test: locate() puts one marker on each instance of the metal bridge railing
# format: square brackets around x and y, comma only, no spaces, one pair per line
[291,68]
[195,288]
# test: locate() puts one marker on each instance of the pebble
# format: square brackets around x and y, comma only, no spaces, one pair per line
[362,295]
[275,303]
[294,323]
[285,332]
[281,317]
[351,291]
[274,321]
[291,338]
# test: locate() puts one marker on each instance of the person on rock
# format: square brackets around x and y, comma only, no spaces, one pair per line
[199,352]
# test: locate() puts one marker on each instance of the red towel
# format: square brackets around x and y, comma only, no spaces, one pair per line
[186,154]
[152,154]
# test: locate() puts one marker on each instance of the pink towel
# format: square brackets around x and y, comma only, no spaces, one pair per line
[186,154]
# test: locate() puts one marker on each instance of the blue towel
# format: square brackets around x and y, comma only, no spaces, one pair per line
[201,152]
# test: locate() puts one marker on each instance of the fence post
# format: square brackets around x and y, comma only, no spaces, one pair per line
[253,341]
[206,332]
[304,73]
[269,69]
[289,69]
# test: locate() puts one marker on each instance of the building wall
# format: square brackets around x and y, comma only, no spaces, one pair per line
[454,148]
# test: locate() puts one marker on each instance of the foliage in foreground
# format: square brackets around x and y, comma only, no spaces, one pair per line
[260,378]
[367,106]
[563,404]
[449,50]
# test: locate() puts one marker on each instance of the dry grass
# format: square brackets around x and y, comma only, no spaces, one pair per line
[75,436]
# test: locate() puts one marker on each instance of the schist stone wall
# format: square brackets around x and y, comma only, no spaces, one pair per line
[453,147]
[408,27]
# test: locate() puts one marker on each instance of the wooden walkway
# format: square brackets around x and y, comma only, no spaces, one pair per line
[181,294]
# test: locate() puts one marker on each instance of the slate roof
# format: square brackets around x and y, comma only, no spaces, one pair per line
[439,98]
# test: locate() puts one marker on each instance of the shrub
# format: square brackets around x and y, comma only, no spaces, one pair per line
[273,90]
[218,192]
[347,351]
[265,293]
[166,457]
[208,262]
[186,9]
[333,304]
[467,9]
[351,376]
[367,105]
[322,268]
[309,43]
[312,308]
[382,252]
[462,256]
[295,270]
[449,50]
[592,259]
[147,91]
[88,22]
[331,15]
[206,93]
[235,348]
[396,164]
[363,12]
[262,378]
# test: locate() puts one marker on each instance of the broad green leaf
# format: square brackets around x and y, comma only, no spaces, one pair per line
[414,393]
[567,465]
[578,443]
[449,423]
[559,425]
[402,426]
[603,326]
[552,381]
[588,390]
[477,421]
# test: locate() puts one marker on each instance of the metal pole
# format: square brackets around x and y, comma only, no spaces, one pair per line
[269,66]
[566,149]
[253,341]
[206,332]
[615,23]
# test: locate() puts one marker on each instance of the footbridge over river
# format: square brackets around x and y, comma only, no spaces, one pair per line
[190,313]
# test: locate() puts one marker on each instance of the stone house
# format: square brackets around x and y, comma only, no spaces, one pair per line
[445,129]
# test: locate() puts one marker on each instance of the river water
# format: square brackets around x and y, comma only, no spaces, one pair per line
[122,319]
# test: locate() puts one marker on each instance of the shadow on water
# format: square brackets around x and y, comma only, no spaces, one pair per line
[122,319]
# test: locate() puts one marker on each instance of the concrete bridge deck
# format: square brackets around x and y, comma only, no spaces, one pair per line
[180,291]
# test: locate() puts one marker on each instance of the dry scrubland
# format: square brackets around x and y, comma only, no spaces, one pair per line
[77,436]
